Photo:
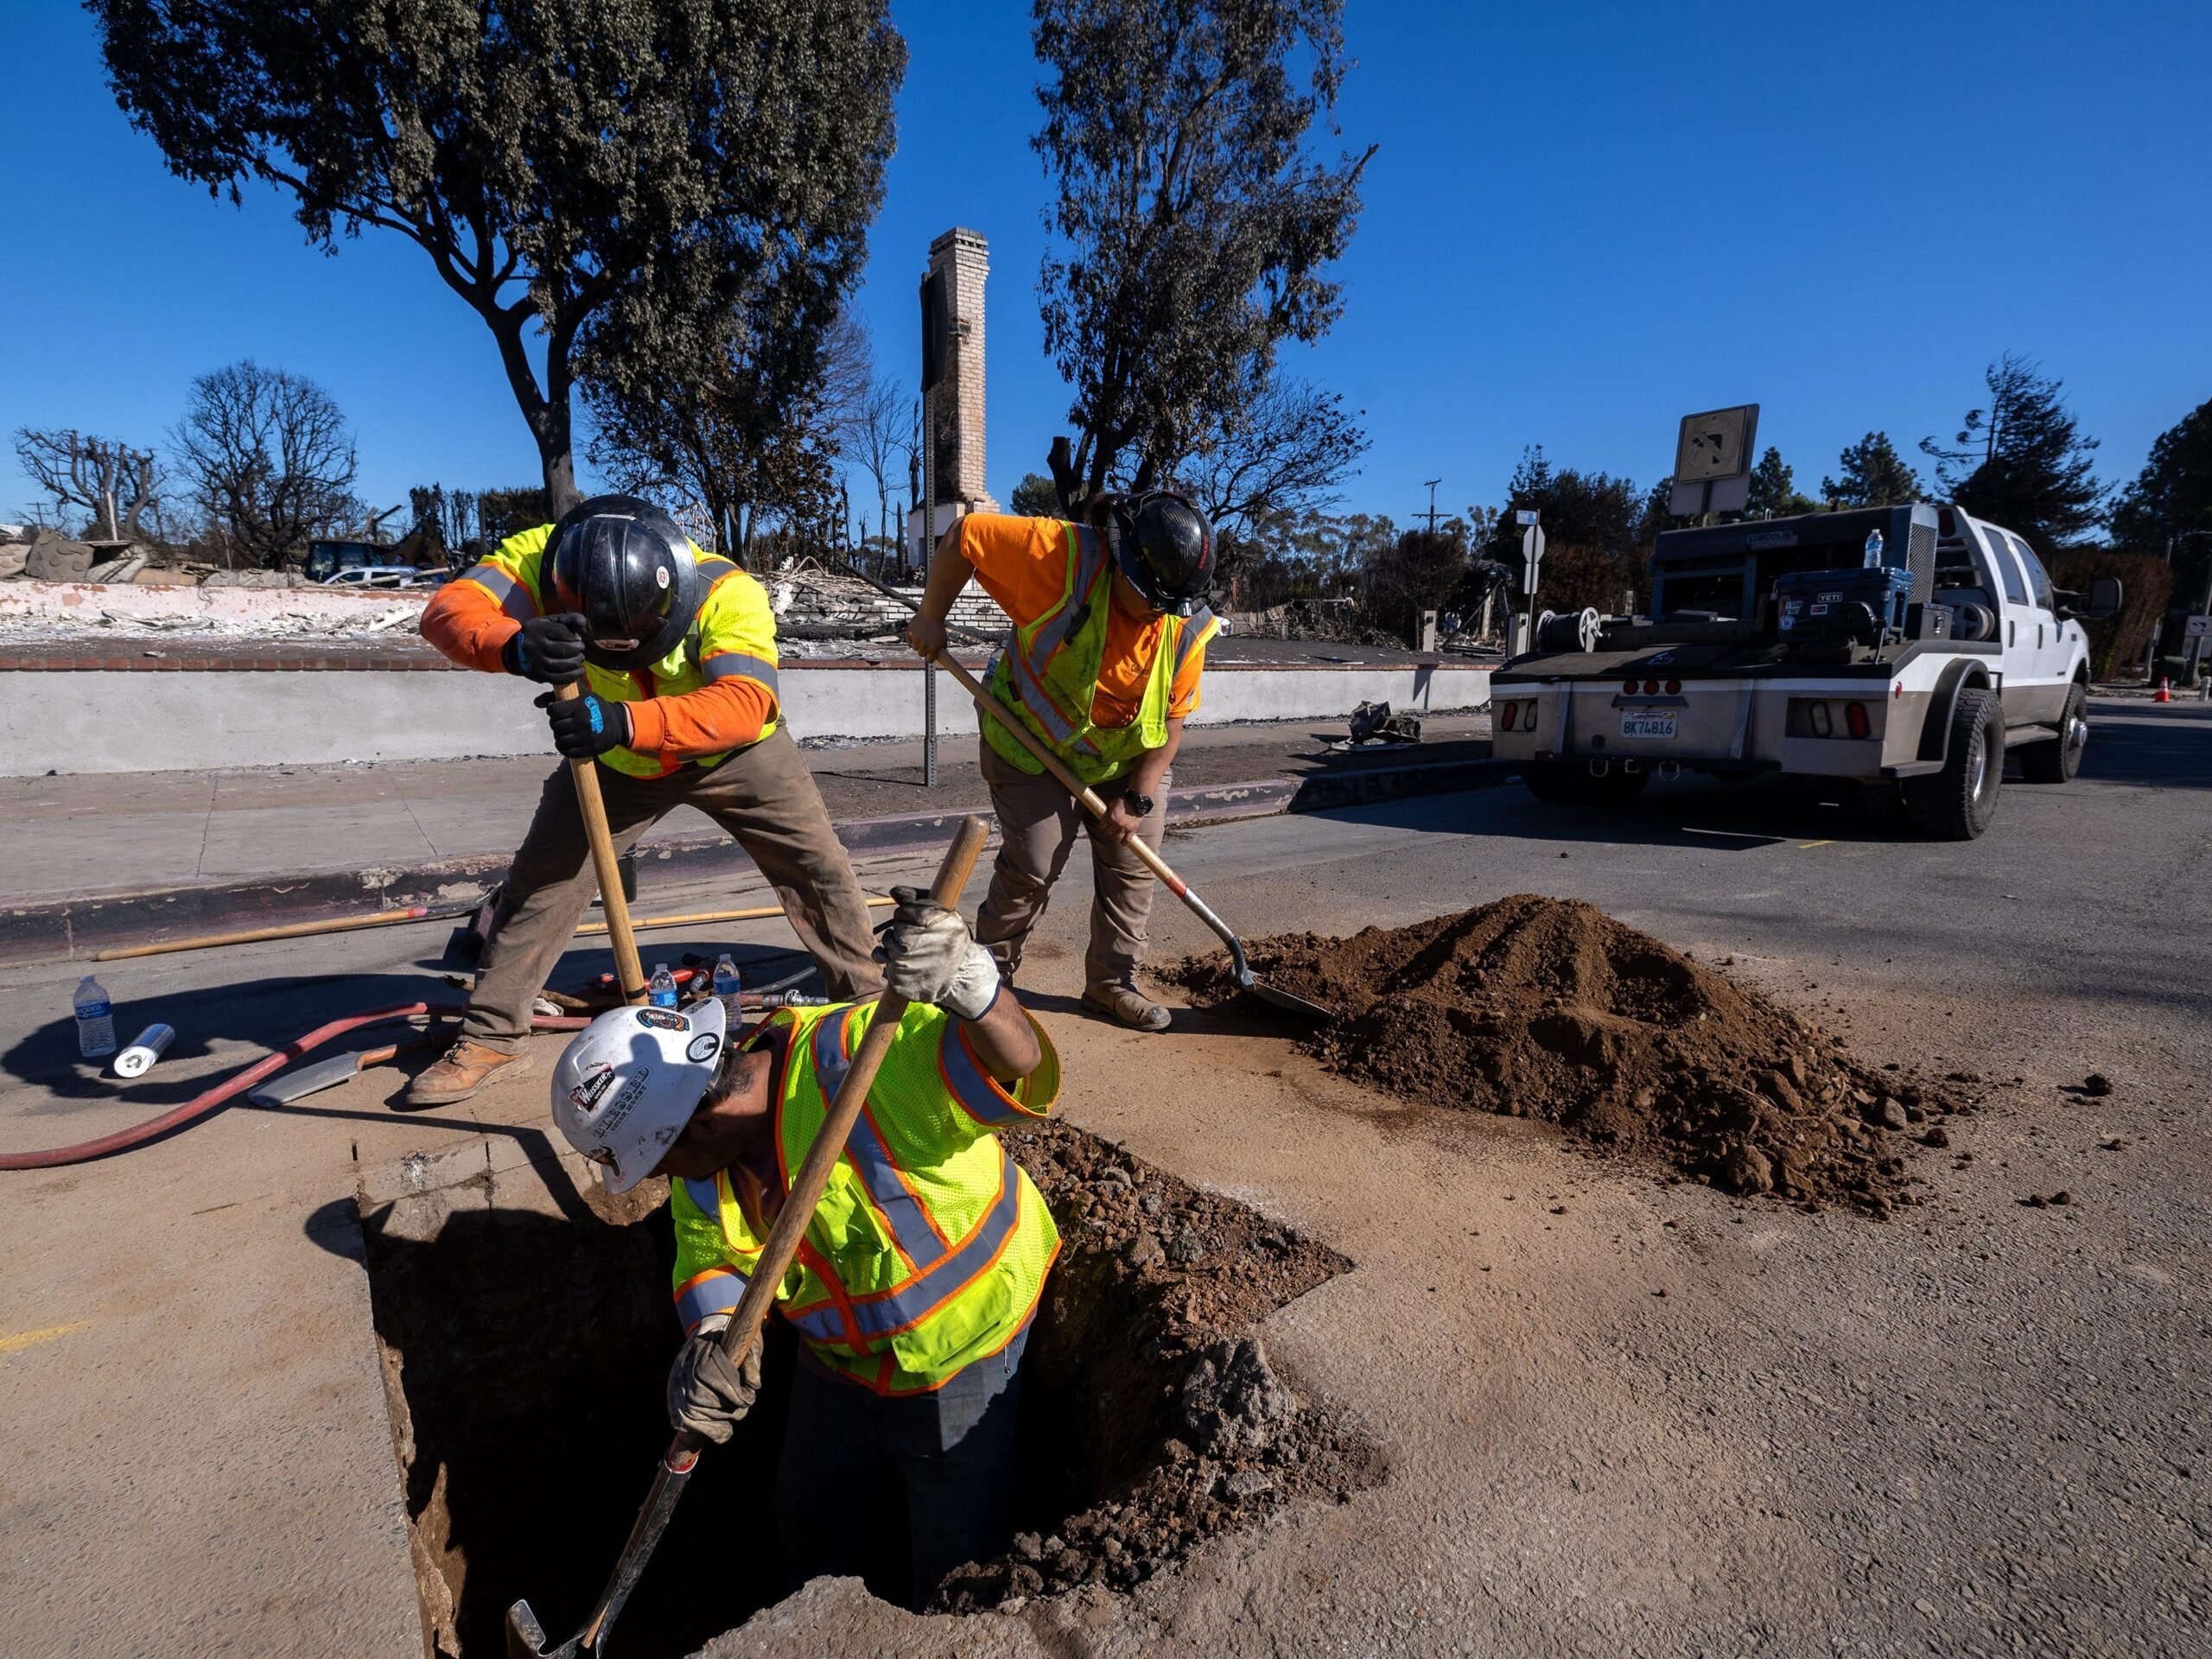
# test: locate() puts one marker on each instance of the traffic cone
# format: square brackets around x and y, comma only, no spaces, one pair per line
[2166,690]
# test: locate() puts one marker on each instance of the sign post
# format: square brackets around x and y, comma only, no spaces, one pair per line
[1532,557]
[934,319]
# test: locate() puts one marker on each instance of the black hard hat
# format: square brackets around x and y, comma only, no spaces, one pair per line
[626,566]
[1165,546]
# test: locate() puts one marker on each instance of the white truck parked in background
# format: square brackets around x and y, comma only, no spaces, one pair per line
[1905,649]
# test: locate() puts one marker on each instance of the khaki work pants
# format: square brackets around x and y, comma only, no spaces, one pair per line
[1038,821]
[764,796]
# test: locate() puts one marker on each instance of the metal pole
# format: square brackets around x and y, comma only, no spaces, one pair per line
[929,553]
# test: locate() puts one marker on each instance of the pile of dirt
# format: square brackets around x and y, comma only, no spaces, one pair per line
[1549,1009]
[1154,1418]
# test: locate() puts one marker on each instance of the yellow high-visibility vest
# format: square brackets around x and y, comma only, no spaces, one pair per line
[1047,673]
[734,634]
[930,1247]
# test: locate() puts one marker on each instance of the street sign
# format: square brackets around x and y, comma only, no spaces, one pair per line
[1713,462]
[1532,555]
[1525,515]
[2197,627]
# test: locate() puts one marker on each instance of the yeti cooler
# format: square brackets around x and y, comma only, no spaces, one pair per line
[1859,605]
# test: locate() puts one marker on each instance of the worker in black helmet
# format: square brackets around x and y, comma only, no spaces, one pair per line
[677,651]
[1110,637]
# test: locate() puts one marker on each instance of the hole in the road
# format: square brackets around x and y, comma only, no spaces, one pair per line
[525,1339]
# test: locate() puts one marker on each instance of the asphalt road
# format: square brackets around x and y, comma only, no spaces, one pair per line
[1977,1431]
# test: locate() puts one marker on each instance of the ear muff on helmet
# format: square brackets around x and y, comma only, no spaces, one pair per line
[626,567]
[1164,545]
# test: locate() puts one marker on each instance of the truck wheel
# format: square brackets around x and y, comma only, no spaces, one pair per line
[1957,803]
[2056,763]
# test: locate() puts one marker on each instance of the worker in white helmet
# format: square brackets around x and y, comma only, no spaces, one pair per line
[913,1291]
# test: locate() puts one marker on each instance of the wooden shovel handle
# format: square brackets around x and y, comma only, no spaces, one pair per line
[1074,786]
[627,972]
[813,1176]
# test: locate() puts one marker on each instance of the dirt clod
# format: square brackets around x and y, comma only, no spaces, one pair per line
[1548,1008]
[2096,1084]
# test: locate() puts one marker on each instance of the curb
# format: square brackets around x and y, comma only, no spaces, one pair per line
[68,930]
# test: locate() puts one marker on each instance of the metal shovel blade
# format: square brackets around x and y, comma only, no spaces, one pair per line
[1289,1000]
[285,1089]
[526,1637]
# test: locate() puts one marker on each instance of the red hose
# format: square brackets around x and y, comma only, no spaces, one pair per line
[237,1082]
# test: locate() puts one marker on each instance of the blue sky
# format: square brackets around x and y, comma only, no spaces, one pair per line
[1583,221]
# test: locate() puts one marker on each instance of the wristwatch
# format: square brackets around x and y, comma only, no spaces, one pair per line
[1140,806]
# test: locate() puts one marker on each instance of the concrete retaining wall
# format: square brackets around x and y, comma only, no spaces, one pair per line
[73,721]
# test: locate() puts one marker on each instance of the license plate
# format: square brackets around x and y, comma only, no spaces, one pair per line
[1649,725]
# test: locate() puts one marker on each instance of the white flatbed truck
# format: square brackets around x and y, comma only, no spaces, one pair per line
[1904,649]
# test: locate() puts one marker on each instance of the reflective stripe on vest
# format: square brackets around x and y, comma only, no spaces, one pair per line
[1048,672]
[514,600]
[725,664]
[937,1269]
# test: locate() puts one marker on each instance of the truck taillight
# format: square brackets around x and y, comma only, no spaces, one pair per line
[1816,716]
[1505,715]
[1674,688]
[1651,688]
[1854,716]
[1629,687]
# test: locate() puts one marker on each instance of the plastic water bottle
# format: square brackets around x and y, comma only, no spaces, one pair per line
[95,1021]
[726,977]
[660,991]
[1874,549]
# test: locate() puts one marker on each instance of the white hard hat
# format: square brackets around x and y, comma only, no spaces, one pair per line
[626,1087]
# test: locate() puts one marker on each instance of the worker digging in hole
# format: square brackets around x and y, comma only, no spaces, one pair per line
[914,1287]
[676,649]
[1103,663]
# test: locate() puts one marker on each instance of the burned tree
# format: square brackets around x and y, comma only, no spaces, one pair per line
[107,478]
[269,459]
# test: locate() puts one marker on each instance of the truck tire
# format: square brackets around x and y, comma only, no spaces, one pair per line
[2056,763]
[1957,803]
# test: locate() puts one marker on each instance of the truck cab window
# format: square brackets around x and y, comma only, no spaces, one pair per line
[2008,568]
[2039,578]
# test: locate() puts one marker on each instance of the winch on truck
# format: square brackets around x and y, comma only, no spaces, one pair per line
[1901,648]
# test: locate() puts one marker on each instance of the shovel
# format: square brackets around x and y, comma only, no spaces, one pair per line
[525,1636]
[283,1091]
[1092,805]
[628,973]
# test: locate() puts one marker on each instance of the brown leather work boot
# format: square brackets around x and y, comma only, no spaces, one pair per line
[1128,1005]
[467,1067]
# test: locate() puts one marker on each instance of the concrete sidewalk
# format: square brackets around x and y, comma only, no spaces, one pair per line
[97,857]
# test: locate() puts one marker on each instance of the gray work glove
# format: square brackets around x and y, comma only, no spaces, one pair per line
[706,1394]
[928,956]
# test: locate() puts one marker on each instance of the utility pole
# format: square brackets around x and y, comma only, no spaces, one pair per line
[1432,483]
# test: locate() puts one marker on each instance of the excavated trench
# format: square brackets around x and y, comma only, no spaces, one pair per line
[525,1331]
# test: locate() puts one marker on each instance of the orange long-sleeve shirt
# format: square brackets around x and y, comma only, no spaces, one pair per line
[473,617]
[1022,563]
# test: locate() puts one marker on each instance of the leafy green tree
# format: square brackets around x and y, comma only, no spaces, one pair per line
[624,176]
[1774,492]
[2022,462]
[1194,225]
[2167,511]
[1035,498]
[1872,474]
